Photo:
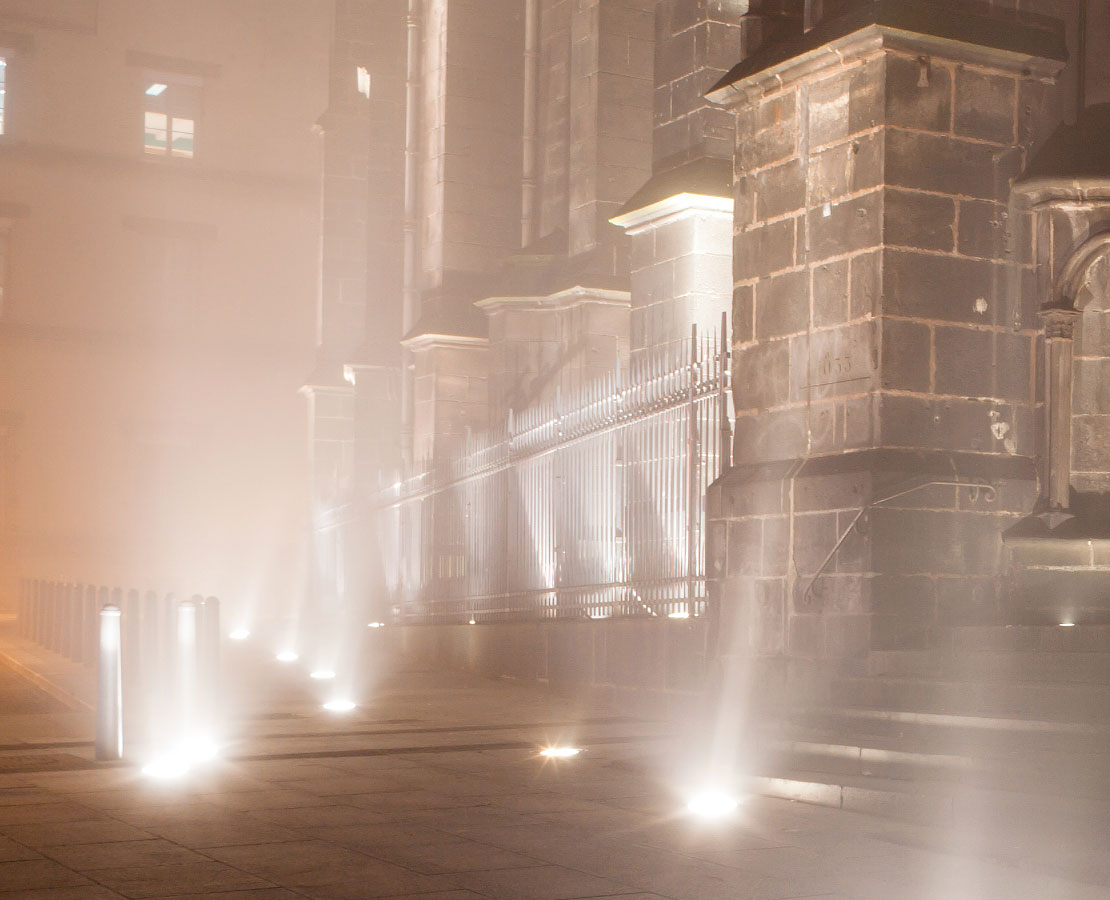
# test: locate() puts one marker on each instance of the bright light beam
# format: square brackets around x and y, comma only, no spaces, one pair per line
[287,656]
[240,634]
[322,675]
[339,705]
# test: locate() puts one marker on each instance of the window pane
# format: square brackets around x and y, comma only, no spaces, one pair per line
[183,137]
[155,140]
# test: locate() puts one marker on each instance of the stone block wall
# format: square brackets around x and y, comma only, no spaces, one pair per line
[450,395]
[543,347]
[884,339]
[681,276]
[696,43]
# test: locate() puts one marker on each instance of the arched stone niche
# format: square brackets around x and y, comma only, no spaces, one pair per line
[1077,377]
[1090,419]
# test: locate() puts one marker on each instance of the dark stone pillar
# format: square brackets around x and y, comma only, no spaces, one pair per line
[884,332]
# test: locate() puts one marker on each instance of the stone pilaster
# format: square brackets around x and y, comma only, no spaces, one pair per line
[558,344]
[450,395]
[680,227]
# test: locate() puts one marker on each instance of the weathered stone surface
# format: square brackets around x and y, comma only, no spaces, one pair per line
[927,286]
[918,94]
[919,220]
[964,361]
[946,165]
[782,305]
[830,292]
[841,228]
[986,106]
[906,355]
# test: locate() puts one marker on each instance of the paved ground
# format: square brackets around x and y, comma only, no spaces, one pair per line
[434,790]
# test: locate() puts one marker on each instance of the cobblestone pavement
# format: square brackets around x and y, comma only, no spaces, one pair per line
[434,790]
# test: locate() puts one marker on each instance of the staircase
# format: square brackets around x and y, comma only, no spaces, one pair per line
[1002,735]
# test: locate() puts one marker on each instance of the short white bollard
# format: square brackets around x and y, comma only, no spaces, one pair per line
[109,705]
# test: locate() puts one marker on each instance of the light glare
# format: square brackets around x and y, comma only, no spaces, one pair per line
[339,705]
[240,634]
[713,805]
[376,625]
[287,656]
[156,90]
[560,752]
[1067,624]
[678,615]
[322,675]
[166,767]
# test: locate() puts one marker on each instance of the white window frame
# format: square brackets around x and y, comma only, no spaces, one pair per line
[174,111]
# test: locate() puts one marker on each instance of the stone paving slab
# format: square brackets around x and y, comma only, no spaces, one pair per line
[485,823]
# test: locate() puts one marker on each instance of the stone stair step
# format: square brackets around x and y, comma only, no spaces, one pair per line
[1075,666]
[1059,835]
[1048,638]
[955,734]
[1064,774]
[1053,702]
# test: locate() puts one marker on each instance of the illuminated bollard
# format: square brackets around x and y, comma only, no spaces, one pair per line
[109,705]
[187,668]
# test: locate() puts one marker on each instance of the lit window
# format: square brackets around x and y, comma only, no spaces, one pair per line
[155,141]
[182,138]
[3,91]
[169,119]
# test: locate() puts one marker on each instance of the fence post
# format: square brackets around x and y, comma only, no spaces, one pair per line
[58,627]
[131,656]
[75,633]
[186,658]
[208,660]
[36,606]
[109,706]
[91,612]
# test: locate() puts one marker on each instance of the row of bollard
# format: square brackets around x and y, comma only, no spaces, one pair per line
[157,657]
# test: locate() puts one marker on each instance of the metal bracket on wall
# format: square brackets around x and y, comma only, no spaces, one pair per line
[989,495]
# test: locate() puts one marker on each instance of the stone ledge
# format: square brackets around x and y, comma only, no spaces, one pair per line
[1010,39]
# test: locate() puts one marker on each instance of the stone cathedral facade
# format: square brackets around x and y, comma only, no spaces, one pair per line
[900,207]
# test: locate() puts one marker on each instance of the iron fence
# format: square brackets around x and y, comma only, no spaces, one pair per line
[588,506]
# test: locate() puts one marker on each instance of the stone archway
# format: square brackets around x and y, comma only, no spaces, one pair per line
[1077,376]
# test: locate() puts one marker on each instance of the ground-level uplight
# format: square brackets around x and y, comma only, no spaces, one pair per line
[287,656]
[177,763]
[322,675]
[678,615]
[1067,624]
[375,625]
[560,752]
[713,804]
[339,705]
[240,634]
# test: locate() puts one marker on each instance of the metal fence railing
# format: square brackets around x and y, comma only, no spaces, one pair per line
[589,506]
